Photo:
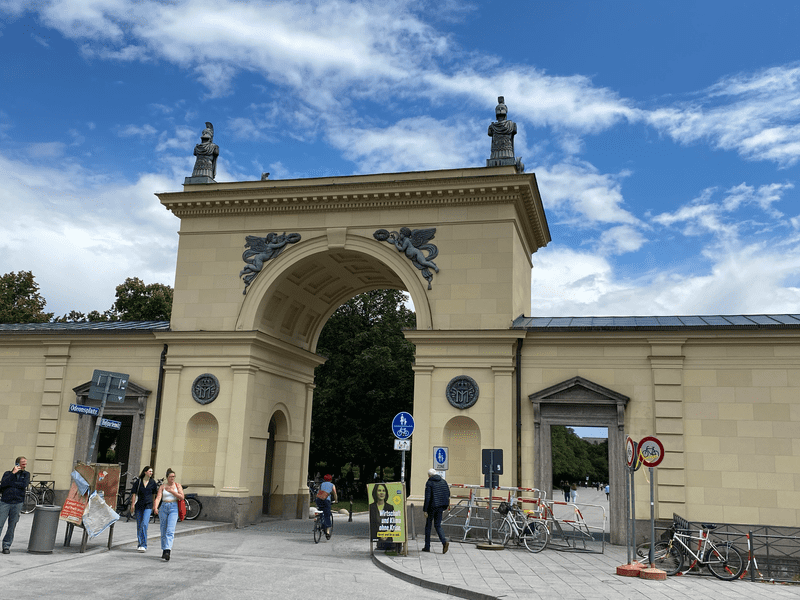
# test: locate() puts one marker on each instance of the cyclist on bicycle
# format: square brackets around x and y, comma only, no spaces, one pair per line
[323,500]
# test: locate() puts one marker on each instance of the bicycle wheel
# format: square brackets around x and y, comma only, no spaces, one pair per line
[317,530]
[724,561]
[193,508]
[535,536]
[29,503]
[667,558]
[48,498]
[504,532]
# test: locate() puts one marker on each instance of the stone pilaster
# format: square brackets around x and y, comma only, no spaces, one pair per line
[56,360]
[504,432]
[666,362]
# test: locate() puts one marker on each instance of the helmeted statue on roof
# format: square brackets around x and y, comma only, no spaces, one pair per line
[502,133]
[205,167]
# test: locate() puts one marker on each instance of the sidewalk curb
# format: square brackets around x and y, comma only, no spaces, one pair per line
[442,588]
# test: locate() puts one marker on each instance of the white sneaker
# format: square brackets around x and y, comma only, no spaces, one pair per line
[142,549]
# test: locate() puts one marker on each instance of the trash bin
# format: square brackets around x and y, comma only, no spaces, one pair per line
[44,529]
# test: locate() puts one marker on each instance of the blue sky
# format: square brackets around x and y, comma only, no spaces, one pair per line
[665,136]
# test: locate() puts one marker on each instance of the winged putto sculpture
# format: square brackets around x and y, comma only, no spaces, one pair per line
[260,250]
[412,244]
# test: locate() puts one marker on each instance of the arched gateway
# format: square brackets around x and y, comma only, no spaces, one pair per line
[244,328]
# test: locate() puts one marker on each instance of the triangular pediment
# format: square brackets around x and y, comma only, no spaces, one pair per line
[131,390]
[579,390]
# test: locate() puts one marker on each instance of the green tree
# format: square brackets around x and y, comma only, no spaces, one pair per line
[366,380]
[574,458]
[20,301]
[137,301]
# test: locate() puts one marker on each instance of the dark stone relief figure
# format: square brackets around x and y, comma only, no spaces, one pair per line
[502,133]
[260,250]
[205,167]
[412,243]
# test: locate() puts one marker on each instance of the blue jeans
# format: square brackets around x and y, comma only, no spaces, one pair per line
[435,519]
[10,512]
[142,521]
[168,518]
[325,507]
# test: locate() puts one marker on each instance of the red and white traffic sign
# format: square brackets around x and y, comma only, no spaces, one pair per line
[630,450]
[651,451]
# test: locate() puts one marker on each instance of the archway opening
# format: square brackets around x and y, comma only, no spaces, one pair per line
[580,458]
[366,380]
[583,403]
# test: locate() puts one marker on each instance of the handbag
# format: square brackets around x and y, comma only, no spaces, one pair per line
[322,495]
[181,509]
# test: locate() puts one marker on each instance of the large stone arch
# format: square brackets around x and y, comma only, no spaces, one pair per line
[578,401]
[295,294]
[261,345]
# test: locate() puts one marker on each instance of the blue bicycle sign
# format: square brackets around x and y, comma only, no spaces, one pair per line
[403,425]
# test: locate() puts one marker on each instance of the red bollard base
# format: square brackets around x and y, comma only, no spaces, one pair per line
[653,574]
[630,570]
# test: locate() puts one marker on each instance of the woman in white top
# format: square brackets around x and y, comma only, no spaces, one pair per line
[167,500]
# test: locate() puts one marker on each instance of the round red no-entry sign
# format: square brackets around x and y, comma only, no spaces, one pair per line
[651,451]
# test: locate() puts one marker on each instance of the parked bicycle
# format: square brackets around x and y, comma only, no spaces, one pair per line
[518,528]
[193,505]
[124,499]
[38,493]
[319,527]
[722,558]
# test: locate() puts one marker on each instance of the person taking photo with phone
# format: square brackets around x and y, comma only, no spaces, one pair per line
[12,494]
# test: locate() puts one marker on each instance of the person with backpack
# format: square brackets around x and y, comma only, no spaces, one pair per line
[323,500]
[437,500]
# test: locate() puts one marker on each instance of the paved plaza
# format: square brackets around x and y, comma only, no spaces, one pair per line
[278,559]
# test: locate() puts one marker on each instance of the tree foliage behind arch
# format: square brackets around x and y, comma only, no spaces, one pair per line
[366,380]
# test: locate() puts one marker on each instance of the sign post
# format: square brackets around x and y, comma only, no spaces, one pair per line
[651,451]
[403,427]
[105,386]
[491,466]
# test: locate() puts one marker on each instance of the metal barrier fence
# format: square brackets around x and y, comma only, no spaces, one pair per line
[468,518]
[772,553]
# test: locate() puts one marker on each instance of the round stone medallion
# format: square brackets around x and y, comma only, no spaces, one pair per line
[205,388]
[462,391]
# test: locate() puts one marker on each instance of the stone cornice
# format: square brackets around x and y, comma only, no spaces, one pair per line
[498,185]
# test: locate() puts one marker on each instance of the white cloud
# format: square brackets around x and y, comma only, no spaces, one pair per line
[704,215]
[422,143]
[579,193]
[82,234]
[620,240]
[143,131]
[744,280]
[753,114]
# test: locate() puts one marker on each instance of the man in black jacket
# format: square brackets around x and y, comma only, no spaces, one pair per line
[12,495]
[437,499]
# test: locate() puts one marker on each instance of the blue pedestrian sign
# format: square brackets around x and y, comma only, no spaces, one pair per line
[403,425]
[440,458]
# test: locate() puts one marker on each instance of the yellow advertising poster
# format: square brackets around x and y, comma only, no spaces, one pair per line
[387,512]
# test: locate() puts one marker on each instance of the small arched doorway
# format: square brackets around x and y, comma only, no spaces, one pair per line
[463,437]
[581,402]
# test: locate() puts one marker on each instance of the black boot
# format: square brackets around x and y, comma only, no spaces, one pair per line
[166,554]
